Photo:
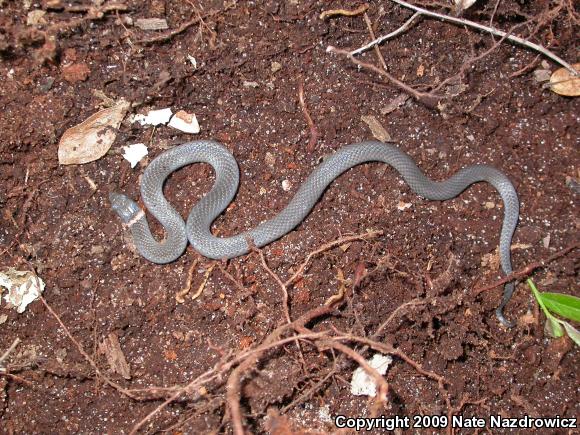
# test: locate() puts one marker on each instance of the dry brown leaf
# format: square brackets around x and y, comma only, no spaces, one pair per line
[91,139]
[563,83]
[377,129]
[111,348]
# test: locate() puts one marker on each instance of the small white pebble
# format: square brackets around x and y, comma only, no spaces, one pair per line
[402,206]
[286,185]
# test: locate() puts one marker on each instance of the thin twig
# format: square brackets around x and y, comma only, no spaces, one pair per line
[429,100]
[376,48]
[411,303]
[180,295]
[81,350]
[492,30]
[388,349]
[9,350]
[79,347]
[525,271]
[326,247]
[182,28]
[280,283]
[382,39]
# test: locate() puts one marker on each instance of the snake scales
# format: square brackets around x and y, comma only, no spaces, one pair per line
[197,227]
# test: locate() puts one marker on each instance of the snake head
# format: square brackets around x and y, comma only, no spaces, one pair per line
[126,208]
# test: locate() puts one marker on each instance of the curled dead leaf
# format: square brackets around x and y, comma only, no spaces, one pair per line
[92,138]
[562,82]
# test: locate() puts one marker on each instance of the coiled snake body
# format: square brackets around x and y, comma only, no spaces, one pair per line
[197,227]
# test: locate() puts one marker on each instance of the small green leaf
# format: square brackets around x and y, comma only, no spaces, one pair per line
[564,305]
[573,333]
[553,328]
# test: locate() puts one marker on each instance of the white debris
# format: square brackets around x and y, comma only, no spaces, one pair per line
[154,117]
[324,414]
[134,153]
[402,206]
[192,60]
[23,288]
[286,185]
[186,122]
[546,241]
[362,384]
[35,17]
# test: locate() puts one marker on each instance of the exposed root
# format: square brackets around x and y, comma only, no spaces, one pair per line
[313,131]
[348,13]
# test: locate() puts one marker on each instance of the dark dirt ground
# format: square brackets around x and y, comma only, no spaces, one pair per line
[53,218]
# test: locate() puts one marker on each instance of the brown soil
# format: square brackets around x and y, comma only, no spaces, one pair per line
[53,218]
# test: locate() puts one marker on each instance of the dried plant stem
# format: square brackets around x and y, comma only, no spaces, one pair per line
[9,350]
[383,38]
[456,20]
[428,99]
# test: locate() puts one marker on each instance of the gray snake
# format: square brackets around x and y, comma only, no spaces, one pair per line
[197,227]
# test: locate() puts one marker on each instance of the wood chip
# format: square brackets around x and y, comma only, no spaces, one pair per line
[394,104]
[152,23]
[377,129]
[111,348]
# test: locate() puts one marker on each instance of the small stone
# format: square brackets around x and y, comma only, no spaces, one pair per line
[286,185]
[97,249]
[263,191]
[46,84]
[248,84]
[542,75]
[77,72]
[35,17]
[270,159]
[275,67]
[489,205]
[61,355]
[546,241]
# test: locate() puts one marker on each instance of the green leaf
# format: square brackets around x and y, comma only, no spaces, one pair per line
[552,327]
[564,305]
[572,332]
